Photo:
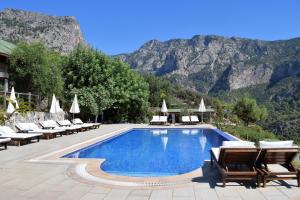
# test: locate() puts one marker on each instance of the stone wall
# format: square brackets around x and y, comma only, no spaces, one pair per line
[34,117]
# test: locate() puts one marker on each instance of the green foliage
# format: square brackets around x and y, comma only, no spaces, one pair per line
[105,84]
[3,116]
[253,133]
[36,69]
[282,100]
[24,108]
[248,111]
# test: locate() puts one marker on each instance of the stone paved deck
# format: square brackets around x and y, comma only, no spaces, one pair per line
[20,179]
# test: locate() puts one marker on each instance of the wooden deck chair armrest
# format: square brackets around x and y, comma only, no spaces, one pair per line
[282,173]
[259,170]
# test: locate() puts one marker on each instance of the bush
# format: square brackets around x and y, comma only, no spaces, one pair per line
[253,133]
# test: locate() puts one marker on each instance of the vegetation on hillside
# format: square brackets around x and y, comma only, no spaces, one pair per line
[282,101]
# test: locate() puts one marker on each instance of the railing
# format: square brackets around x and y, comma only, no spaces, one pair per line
[29,97]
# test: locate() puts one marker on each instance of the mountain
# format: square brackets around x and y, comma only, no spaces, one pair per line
[211,63]
[59,33]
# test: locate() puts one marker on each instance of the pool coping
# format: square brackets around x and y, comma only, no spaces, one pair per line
[87,170]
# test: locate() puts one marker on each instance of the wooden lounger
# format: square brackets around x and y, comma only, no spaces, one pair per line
[236,163]
[276,164]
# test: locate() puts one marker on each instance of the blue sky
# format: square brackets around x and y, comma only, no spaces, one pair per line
[118,26]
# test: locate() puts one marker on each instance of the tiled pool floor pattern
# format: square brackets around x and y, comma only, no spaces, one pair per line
[24,180]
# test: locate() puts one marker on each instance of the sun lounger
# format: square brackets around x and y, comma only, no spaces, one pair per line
[155,120]
[33,128]
[163,120]
[78,121]
[51,124]
[19,138]
[275,161]
[67,123]
[4,142]
[236,160]
[194,119]
[185,120]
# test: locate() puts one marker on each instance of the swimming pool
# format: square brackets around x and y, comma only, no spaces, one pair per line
[154,152]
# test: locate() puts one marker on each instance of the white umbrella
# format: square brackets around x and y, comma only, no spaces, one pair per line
[58,108]
[202,108]
[75,107]
[53,108]
[13,97]
[164,108]
[10,108]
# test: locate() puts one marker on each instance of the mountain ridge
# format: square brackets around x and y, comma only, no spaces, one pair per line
[211,63]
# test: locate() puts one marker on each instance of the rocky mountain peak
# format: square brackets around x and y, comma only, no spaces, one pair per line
[59,33]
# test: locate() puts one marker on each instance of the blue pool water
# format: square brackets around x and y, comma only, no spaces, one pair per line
[154,152]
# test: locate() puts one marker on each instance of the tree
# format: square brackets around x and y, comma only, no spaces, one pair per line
[103,83]
[248,111]
[34,68]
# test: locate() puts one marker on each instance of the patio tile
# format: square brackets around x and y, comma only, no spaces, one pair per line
[205,193]
[249,194]
[93,196]
[138,197]
[100,190]
[161,194]
[186,191]
[116,194]
[227,193]
[184,198]
[141,192]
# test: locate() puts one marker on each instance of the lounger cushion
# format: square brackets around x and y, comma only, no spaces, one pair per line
[194,118]
[185,119]
[277,144]
[163,118]
[238,144]
[232,144]
[5,140]
[77,121]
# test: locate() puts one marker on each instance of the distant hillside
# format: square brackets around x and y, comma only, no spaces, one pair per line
[59,33]
[212,63]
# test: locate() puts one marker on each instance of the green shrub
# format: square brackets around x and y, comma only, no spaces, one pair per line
[252,133]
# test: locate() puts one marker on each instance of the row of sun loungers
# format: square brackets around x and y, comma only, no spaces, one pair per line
[27,132]
[193,119]
[240,160]
[159,120]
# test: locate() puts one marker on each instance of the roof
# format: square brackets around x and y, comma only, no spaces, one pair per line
[6,47]
[173,110]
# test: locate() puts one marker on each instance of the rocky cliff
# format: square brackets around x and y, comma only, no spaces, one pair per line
[59,33]
[213,63]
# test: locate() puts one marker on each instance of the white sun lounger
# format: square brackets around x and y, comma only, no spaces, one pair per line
[155,120]
[4,142]
[51,124]
[163,119]
[78,121]
[7,132]
[185,119]
[194,119]
[68,124]
[33,128]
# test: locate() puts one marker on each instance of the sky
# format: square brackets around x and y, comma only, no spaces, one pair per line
[122,26]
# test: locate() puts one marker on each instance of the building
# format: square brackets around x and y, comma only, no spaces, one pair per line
[5,51]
